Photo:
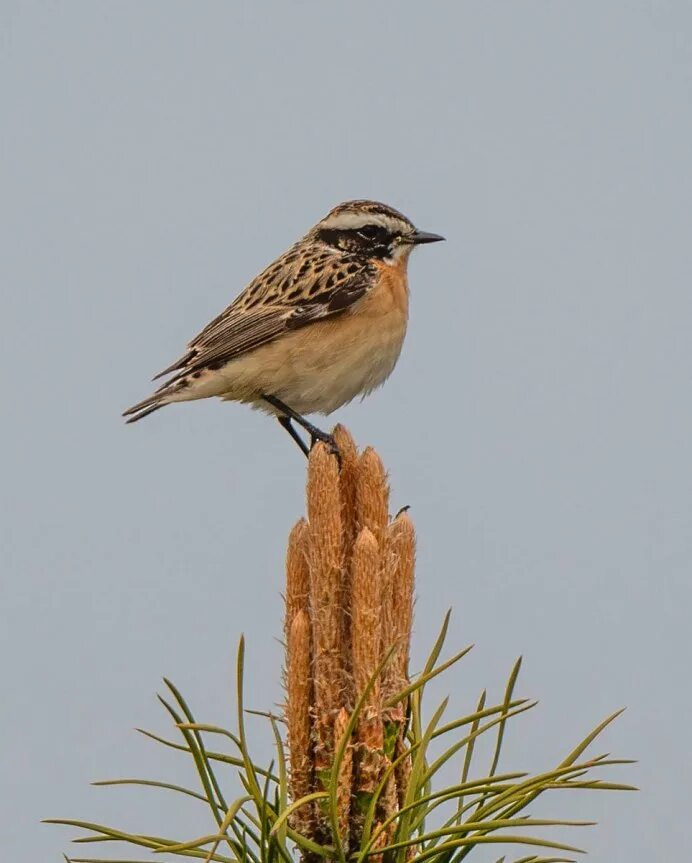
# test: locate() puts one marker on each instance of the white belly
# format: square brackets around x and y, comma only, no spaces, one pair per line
[322,381]
[319,368]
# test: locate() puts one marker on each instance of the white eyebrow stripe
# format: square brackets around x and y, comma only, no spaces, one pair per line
[354,221]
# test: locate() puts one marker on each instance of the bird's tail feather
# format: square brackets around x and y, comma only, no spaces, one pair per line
[144,408]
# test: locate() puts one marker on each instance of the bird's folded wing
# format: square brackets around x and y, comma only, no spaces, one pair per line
[240,329]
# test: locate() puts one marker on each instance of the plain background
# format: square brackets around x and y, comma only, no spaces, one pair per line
[155,156]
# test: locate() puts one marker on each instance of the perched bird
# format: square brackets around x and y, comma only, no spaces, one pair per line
[322,324]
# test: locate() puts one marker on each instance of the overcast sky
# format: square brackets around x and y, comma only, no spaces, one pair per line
[155,157]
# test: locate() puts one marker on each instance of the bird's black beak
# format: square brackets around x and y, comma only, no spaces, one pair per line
[420,237]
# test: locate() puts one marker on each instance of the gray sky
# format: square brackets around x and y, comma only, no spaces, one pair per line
[155,156]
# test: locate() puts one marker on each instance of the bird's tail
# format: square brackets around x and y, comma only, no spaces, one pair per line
[145,407]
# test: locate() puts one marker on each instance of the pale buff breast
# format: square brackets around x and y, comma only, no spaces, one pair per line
[324,365]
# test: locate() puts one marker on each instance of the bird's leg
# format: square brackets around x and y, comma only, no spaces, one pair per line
[313,431]
[286,423]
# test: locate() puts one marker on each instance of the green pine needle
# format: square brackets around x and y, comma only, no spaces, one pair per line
[255,827]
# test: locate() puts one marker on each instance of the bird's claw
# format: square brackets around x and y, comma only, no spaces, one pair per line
[329,441]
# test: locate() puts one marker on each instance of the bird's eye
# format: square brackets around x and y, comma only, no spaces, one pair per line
[369,232]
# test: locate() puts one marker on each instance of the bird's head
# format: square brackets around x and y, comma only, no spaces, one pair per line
[371,230]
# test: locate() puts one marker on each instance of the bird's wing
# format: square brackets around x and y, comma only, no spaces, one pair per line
[289,294]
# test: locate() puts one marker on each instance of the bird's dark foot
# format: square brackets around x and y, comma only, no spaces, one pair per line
[287,414]
[328,440]
[286,423]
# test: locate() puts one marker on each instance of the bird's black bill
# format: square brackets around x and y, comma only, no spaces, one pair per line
[421,237]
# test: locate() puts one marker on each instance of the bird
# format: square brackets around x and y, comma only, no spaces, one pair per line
[322,324]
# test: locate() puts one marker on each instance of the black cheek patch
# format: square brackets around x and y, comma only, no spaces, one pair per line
[381,251]
[352,241]
[330,237]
